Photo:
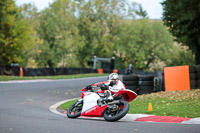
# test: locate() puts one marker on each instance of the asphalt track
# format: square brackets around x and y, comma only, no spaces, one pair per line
[24,108]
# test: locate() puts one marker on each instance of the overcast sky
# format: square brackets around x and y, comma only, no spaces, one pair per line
[153,7]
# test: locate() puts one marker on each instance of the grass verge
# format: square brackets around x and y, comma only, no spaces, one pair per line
[177,103]
[8,78]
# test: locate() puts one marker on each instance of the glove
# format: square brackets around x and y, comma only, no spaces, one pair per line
[112,83]
[103,86]
[89,87]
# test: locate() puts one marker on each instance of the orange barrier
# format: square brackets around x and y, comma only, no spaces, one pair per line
[115,71]
[21,72]
[177,78]
[100,71]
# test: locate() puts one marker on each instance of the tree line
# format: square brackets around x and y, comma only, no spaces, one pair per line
[69,33]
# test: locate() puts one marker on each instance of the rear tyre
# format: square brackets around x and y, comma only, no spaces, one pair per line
[115,114]
[75,110]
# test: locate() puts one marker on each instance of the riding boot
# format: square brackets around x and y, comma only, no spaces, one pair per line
[108,96]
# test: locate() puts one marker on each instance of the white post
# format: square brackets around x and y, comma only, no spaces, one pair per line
[94,62]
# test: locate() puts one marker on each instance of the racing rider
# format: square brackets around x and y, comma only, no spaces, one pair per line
[113,85]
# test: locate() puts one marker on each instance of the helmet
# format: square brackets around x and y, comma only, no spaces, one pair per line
[113,76]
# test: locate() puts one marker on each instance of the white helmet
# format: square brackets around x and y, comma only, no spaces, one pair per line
[113,76]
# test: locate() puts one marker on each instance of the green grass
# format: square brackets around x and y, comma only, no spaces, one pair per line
[178,104]
[8,78]
[66,105]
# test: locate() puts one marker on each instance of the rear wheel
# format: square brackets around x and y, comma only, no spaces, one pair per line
[75,110]
[116,111]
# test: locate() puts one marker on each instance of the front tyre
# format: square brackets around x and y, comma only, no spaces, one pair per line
[75,110]
[114,114]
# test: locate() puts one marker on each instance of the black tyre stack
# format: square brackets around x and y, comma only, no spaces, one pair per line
[146,84]
[197,77]
[131,82]
[158,84]
[193,77]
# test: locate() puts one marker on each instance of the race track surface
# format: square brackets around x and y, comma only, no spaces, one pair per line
[24,108]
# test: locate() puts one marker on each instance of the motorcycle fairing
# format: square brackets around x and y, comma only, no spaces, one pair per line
[90,107]
[95,111]
[83,92]
[100,92]
[128,95]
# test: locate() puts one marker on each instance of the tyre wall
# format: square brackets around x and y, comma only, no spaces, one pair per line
[143,84]
[146,84]
[131,82]
[193,77]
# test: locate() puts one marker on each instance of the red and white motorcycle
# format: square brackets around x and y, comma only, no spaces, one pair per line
[92,104]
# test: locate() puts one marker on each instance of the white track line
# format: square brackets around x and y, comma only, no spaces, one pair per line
[54,107]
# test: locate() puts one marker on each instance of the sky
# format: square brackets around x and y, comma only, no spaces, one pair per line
[153,7]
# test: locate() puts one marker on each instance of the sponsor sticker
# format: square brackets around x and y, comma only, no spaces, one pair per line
[91,109]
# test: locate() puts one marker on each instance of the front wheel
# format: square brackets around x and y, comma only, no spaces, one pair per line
[75,110]
[116,113]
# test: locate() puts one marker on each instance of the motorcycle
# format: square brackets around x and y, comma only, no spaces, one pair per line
[92,104]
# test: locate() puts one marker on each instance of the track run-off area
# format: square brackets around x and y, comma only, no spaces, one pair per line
[24,108]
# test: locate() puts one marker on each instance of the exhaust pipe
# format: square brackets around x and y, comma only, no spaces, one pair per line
[114,102]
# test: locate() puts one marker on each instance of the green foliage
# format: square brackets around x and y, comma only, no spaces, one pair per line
[15,38]
[69,33]
[182,18]
[143,43]
[181,56]
[58,29]
[30,13]
[98,22]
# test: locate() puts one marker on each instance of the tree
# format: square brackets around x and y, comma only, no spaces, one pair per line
[98,25]
[143,43]
[181,56]
[31,15]
[182,18]
[14,34]
[60,34]
[141,12]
